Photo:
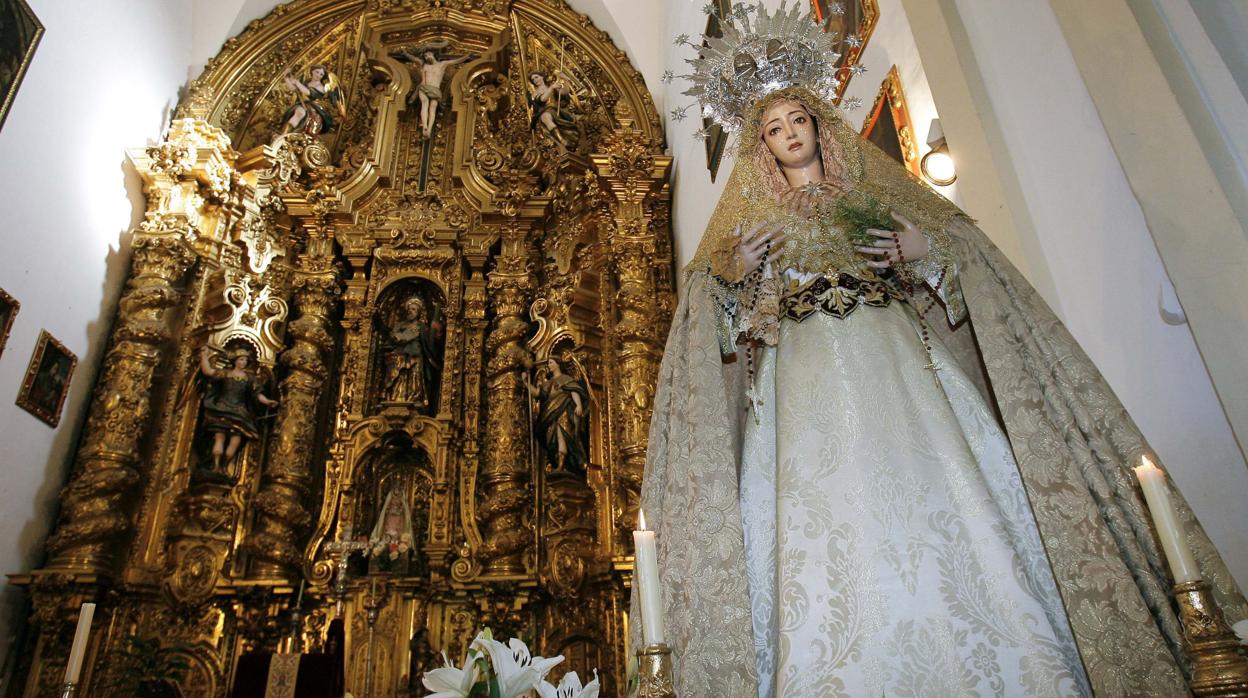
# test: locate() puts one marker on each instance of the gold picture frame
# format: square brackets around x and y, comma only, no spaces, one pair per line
[8,313]
[47,379]
[20,32]
[890,128]
[859,18]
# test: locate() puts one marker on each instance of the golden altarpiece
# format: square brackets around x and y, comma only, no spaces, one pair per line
[399,271]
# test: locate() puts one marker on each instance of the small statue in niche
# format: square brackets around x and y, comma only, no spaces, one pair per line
[432,71]
[549,106]
[317,102]
[232,402]
[413,362]
[390,545]
[422,655]
[562,421]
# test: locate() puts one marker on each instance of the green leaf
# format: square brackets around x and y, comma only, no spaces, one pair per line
[855,212]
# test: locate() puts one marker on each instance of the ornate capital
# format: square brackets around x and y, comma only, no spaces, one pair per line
[630,168]
[192,165]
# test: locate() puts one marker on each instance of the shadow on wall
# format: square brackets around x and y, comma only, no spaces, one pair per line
[14,606]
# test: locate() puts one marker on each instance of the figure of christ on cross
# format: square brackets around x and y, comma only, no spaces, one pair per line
[429,91]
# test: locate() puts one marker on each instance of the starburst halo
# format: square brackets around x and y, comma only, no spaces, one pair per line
[757,56]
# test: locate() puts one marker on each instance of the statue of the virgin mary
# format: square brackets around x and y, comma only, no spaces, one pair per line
[390,544]
[911,480]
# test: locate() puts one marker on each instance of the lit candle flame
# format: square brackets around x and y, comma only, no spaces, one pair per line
[641,518]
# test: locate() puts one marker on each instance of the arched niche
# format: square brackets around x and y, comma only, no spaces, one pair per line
[394,471]
[408,347]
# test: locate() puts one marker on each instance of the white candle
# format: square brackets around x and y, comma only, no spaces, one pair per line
[79,649]
[646,576]
[1169,529]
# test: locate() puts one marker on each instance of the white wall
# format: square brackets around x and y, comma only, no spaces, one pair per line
[1226,22]
[1105,269]
[104,78]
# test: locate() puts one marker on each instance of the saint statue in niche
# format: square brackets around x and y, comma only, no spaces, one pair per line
[550,104]
[318,103]
[413,360]
[390,544]
[561,424]
[432,71]
[233,400]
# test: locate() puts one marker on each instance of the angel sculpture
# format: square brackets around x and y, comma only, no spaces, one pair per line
[318,101]
[562,421]
[548,103]
[432,71]
[230,411]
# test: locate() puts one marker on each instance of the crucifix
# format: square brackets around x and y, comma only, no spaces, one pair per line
[340,551]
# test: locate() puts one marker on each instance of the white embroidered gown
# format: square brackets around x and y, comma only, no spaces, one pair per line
[890,546]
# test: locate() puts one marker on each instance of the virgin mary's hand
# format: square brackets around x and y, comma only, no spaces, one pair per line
[761,240]
[894,246]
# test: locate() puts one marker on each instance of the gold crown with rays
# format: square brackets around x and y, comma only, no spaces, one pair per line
[761,52]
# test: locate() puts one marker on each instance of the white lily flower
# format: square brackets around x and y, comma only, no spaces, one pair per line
[449,681]
[570,687]
[516,670]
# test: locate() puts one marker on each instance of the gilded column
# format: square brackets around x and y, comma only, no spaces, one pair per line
[96,504]
[505,477]
[282,510]
[634,175]
[183,176]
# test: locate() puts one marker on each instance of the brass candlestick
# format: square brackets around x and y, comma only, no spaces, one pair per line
[68,689]
[654,676]
[1219,666]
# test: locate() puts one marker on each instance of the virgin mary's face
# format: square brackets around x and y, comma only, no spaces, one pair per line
[789,132]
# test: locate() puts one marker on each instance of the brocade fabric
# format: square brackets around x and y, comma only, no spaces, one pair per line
[889,545]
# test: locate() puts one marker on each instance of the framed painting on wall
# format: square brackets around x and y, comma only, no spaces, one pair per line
[20,32]
[47,379]
[888,124]
[852,21]
[8,312]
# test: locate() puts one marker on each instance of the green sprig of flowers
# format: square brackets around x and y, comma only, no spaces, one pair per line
[856,212]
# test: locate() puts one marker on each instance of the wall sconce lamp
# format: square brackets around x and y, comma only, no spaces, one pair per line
[937,165]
